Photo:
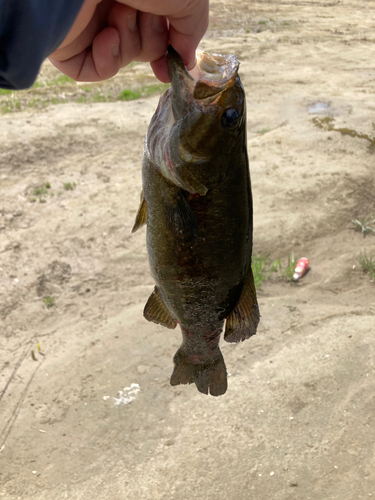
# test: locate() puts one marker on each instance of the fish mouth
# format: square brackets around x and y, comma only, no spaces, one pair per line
[212,74]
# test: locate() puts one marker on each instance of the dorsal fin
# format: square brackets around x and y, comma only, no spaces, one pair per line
[141,217]
[243,320]
[155,310]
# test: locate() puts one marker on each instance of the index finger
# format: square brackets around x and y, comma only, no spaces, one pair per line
[185,33]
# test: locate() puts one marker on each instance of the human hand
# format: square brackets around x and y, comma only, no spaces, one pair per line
[107,35]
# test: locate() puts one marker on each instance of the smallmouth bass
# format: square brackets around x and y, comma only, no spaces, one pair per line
[197,204]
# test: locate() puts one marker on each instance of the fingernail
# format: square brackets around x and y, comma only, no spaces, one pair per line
[158,23]
[115,49]
[132,21]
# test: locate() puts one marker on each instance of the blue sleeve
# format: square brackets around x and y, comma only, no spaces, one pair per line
[30,30]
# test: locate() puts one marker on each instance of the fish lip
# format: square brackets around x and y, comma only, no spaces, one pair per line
[212,74]
[182,84]
[213,68]
[176,66]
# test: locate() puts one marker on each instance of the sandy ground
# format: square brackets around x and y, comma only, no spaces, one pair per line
[297,421]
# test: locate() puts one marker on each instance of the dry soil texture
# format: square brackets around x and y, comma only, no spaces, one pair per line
[297,421]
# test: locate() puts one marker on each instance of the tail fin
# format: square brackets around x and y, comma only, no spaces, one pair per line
[210,375]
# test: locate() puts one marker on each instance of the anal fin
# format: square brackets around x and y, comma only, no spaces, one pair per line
[156,311]
[141,217]
[242,322]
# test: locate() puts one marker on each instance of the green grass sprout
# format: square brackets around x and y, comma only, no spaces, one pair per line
[69,186]
[368,264]
[287,270]
[363,225]
[49,302]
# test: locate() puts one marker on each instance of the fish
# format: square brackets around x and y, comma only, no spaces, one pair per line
[197,204]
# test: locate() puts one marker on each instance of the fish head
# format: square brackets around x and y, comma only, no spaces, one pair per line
[210,99]
[202,116]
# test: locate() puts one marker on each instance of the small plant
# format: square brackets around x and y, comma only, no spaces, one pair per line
[38,85]
[363,225]
[10,105]
[40,192]
[145,90]
[99,97]
[34,103]
[287,271]
[69,186]
[49,301]
[60,80]
[157,88]
[262,269]
[367,263]
[129,95]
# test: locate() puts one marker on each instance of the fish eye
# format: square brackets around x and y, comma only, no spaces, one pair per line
[230,118]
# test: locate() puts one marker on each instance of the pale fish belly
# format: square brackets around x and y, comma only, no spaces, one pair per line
[157,142]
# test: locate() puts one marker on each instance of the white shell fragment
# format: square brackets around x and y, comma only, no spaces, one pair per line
[127,395]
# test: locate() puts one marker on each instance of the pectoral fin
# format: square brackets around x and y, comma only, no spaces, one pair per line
[141,217]
[156,311]
[180,217]
[243,320]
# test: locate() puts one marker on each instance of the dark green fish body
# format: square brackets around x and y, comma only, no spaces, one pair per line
[198,207]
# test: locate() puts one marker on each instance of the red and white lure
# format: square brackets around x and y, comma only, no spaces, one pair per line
[301,268]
